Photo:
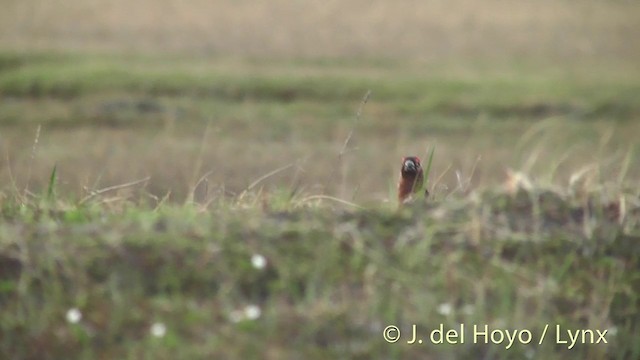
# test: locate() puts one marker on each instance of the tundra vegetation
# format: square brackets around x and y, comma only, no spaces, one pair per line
[216,179]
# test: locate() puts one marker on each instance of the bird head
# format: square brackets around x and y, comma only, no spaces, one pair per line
[411,165]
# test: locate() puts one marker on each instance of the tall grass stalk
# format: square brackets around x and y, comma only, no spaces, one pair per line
[343,166]
[51,188]
[34,150]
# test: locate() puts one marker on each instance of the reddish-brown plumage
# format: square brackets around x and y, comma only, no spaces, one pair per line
[411,178]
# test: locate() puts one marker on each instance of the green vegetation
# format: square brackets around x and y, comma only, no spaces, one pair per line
[99,259]
[403,92]
[203,179]
[332,280]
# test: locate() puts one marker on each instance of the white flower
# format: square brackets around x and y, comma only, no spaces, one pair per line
[252,312]
[74,315]
[158,329]
[258,261]
[444,309]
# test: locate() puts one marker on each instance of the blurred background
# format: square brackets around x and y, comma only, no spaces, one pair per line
[229,91]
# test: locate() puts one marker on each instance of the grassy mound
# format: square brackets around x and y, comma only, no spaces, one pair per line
[269,279]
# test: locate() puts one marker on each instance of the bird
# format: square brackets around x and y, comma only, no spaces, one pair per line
[411,179]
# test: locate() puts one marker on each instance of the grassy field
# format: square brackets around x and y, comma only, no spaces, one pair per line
[179,119]
[219,183]
[278,280]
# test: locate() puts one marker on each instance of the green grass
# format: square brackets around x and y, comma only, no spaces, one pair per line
[333,280]
[524,92]
[153,154]
[137,190]
[172,113]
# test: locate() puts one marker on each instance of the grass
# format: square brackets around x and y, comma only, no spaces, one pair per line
[333,278]
[205,180]
[572,32]
[69,77]
[169,114]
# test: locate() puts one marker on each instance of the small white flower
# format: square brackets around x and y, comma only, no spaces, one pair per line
[74,315]
[258,261]
[252,312]
[158,329]
[444,309]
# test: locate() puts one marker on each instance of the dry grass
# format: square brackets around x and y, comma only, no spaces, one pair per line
[551,31]
[232,159]
[484,47]
[103,125]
